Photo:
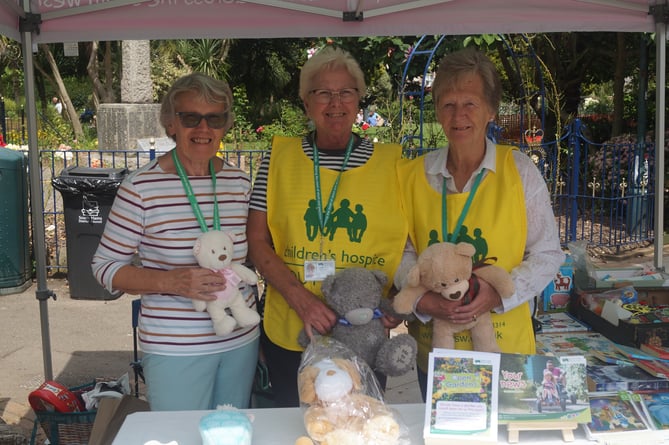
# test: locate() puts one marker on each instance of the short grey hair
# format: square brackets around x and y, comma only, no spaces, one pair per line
[213,91]
[330,59]
[466,61]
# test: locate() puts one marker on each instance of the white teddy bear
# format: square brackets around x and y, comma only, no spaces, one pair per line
[214,250]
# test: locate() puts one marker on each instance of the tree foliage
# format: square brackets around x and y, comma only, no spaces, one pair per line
[564,67]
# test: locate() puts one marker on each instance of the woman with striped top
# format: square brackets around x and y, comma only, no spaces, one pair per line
[320,204]
[147,248]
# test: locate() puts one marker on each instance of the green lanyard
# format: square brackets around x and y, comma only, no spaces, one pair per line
[444,211]
[324,216]
[191,196]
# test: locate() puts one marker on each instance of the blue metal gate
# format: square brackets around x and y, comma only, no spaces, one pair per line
[604,193]
[601,192]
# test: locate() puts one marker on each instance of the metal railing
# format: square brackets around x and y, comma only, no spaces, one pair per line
[53,162]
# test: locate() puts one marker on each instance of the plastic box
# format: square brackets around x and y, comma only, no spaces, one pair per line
[556,295]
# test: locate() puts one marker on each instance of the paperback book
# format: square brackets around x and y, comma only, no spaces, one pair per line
[652,364]
[462,390]
[616,419]
[570,343]
[560,322]
[661,352]
[623,378]
[542,389]
[655,406]
[634,353]
[612,358]
[657,368]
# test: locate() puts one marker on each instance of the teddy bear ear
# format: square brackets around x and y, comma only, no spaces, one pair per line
[466,249]
[328,284]
[305,383]
[235,237]
[381,277]
[197,247]
[413,277]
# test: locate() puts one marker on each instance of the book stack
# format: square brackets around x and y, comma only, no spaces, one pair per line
[618,418]
[560,322]
[611,366]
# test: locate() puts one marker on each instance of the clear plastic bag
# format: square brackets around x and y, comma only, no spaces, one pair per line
[622,296]
[341,400]
[579,253]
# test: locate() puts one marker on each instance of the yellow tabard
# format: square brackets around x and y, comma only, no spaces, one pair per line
[366,228]
[495,224]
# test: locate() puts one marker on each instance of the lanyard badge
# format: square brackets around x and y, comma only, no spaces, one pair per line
[319,270]
[191,196]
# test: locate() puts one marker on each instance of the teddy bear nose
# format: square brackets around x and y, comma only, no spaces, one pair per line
[454,296]
[222,257]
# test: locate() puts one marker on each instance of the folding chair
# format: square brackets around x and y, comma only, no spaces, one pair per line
[262,395]
[136,363]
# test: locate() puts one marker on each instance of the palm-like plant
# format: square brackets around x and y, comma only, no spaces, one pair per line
[207,56]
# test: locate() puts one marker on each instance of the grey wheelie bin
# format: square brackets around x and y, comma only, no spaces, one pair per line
[88,194]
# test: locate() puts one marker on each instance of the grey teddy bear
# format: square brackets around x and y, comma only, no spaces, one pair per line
[355,294]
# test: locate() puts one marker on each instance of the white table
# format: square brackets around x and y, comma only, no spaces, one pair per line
[282,426]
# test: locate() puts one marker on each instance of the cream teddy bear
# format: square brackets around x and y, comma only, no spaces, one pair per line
[446,268]
[213,250]
[337,409]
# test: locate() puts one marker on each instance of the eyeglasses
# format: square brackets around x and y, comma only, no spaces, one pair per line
[346,95]
[191,119]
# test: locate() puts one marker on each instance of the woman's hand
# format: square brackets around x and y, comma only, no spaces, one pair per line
[315,314]
[194,282]
[436,306]
[390,322]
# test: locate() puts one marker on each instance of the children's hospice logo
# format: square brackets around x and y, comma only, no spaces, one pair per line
[354,221]
[478,241]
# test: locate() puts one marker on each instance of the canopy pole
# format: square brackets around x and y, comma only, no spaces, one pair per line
[29,25]
[661,14]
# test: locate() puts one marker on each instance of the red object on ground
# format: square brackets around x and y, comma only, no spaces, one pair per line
[53,397]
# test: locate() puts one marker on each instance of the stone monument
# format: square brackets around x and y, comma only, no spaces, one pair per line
[120,125]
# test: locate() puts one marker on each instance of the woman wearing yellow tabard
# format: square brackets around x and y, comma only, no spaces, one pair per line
[321,204]
[490,196]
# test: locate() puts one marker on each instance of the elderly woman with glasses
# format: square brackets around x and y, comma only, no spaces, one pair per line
[488,195]
[147,248]
[320,204]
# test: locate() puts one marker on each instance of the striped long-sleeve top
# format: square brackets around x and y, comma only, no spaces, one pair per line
[151,221]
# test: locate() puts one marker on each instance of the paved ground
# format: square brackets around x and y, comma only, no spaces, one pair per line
[89,339]
[93,338]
